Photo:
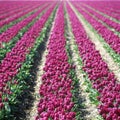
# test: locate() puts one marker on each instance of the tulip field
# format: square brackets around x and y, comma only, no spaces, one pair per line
[60,60]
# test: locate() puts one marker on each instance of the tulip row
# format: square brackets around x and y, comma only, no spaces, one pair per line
[102,79]
[101,8]
[12,13]
[109,22]
[10,19]
[112,7]
[112,39]
[107,5]
[106,45]
[73,57]
[114,10]
[6,7]
[12,69]
[6,47]
[7,26]
[14,6]
[83,90]
[55,91]
[11,32]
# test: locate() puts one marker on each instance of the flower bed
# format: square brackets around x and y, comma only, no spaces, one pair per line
[55,91]
[109,36]
[11,32]
[101,6]
[105,20]
[102,79]
[12,68]
[16,16]
[13,12]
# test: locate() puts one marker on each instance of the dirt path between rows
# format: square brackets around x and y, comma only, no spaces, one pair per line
[33,110]
[99,45]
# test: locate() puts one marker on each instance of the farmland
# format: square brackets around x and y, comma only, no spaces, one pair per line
[59,60]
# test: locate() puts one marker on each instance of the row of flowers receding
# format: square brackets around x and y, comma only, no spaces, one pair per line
[112,24]
[15,67]
[11,32]
[11,13]
[16,16]
[15,33]
[7,7]
[55,91]
[102,79]
[101,7]
[108,35]
[15,21]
